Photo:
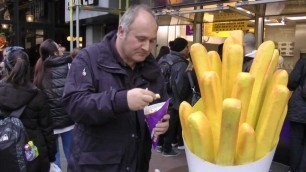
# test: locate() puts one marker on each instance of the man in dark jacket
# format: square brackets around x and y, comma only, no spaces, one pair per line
[179,92]
[107,87]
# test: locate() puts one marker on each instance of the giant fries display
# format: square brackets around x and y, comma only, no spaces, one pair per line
[243,113]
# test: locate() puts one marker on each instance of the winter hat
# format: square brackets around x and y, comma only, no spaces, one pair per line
[178,44]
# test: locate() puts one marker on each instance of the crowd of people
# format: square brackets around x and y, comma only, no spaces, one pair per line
[69,93]
[93,98]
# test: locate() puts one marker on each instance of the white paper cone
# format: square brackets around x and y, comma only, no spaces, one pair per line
[196,164]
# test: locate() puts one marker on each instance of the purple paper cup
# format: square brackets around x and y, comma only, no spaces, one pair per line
[153,114]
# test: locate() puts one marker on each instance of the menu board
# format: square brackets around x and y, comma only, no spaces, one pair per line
[228,26]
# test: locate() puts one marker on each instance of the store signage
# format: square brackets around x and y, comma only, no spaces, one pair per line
[83,13]
[85,2]
[286,48]
[189,30]
[228,16]
[208,31]
[228,26]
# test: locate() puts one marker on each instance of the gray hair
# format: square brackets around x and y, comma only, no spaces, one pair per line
[249,40]
[131,13]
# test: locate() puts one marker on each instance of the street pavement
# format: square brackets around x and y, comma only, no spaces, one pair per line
[160,163]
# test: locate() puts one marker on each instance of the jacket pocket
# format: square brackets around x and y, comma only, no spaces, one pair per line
[100,157]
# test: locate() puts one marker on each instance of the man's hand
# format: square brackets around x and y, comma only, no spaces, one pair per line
[138,98]
[162,127]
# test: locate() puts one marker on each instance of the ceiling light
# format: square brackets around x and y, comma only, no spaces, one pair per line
[29,17]
[297,18]
[241,9]
[266,20]
[275,24]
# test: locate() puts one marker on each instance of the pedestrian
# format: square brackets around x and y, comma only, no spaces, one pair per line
[17,90]
[5,53]
[50,74]
[107,88]
[249,51]
[164,50]
[180,90]
[296,116]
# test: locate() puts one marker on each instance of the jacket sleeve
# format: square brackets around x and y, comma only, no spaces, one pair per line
[82,99]
[296,75]
[45,124]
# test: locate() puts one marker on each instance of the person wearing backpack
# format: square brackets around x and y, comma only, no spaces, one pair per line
[33,122]
[50,74]
[173,67]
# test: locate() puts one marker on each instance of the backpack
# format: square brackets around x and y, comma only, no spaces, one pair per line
[13,138]
[165,66]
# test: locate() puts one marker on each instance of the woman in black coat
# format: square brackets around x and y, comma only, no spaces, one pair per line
[297,117]
[16,90]
[50,75]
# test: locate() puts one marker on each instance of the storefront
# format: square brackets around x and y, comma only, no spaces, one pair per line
[27,23]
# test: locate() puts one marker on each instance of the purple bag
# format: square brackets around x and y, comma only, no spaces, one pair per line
[154,113]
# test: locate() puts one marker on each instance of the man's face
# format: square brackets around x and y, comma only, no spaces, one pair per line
[137,43]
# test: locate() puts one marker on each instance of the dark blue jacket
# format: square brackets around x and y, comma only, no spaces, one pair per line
[181,89]
[108,136]
[297,104]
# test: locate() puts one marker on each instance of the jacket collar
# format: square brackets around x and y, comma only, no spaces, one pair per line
[110,59]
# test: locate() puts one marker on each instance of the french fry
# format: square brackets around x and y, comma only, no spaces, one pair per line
[273,108]
[201,136]
[258,70]
[216,64]
[200,61]
[229,131]
[185,111]
[231,66]
[246,145]
[211,94]
[225,53]
[242,90]
[237,36]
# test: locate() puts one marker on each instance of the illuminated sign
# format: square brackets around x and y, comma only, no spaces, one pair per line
[228,26]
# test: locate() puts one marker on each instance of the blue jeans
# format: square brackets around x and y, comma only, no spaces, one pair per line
[66,141]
